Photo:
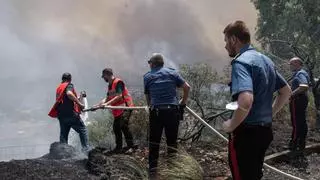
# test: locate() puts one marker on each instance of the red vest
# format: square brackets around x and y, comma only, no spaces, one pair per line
[59,100]
[126,98]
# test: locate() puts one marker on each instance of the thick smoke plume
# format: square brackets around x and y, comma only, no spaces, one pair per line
[41,39]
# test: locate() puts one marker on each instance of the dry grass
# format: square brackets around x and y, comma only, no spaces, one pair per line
[181,166]
[100,129]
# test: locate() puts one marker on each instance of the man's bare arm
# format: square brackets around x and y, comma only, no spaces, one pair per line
[73,98]
[113,100]
[281,99]
[100,103]
[186,89]
[245,100]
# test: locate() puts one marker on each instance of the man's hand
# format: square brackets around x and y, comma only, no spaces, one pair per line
[182,103]
[226,126]
[96,107]
[291,97]
[73,98]
[104,105]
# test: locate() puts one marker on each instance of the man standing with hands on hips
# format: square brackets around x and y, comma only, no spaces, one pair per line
[160,86]
[298,104]
[254,79]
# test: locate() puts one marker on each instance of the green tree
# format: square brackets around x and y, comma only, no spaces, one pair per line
[288,28]
[207,96]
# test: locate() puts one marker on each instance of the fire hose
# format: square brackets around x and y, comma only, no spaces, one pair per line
[224,138]
[204,123]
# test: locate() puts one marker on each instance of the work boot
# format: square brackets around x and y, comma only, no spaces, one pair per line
[153,175]
[115,151]
[292,145]
[301,145]
[130,149]
[86,150]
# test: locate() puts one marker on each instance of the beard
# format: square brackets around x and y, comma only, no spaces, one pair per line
[292,69]
[232,53]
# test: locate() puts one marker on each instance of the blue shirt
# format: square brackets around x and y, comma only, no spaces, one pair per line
[299,77]
[161,84]
[255,72]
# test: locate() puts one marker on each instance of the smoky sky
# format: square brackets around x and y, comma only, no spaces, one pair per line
[41,39]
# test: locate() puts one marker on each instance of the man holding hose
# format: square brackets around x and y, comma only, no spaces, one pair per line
[67,109]
[160,86]
[118,95]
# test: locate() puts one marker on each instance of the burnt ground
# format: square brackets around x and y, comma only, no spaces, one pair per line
[301,165]
[212,156]
[63,162]
[44,169]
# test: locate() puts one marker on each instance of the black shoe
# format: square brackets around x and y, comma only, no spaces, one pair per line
[301,146]
[115,151]
[86,150]
[292,145]
[130,149]
[153,175]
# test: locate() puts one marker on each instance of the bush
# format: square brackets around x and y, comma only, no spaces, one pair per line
[139,124]
[100,129]
[181,166]
[311,112]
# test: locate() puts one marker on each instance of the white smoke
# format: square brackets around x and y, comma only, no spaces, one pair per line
[41,39]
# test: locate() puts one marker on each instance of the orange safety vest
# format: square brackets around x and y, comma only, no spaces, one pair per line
[125,101]
[59,100]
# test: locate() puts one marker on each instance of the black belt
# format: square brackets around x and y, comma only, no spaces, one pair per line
[242,127]
[302,95]
[164,107]
[258,125]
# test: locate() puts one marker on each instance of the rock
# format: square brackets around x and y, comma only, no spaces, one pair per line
[63,151]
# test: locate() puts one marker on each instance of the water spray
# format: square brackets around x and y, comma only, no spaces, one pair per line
[74,137]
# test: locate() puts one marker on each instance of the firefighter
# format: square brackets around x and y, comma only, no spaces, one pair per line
[118,95]
[254,79]
[67,109]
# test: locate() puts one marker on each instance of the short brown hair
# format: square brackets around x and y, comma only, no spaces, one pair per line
[156,59]
[239,30]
